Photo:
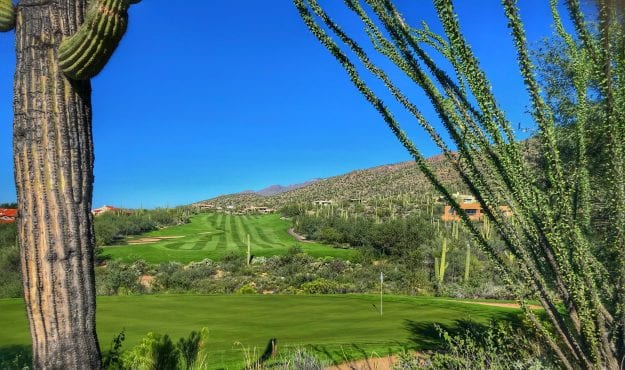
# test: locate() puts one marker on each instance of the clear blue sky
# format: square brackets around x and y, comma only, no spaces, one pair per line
[212,97]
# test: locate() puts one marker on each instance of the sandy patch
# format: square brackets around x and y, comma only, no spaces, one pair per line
[146,281]
[298,237]
[144,240]
[376,363]
[152,239]
[503,304]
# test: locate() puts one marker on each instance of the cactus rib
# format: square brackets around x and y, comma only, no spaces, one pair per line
[7,15]
[83,55]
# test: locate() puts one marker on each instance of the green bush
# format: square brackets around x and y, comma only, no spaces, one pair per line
[117,278]
[247,289]
[155,352]
[10,278]
[189,348]
[323,286]
[499,345]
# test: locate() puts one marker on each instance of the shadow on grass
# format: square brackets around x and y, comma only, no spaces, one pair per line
[15,357]
[427,335]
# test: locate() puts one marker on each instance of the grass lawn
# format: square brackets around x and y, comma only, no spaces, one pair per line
[215,234]
[337,326]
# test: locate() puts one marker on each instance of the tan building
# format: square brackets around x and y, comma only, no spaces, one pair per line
[473,210]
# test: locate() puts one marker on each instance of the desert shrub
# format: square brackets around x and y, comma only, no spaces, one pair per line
[8,235]
[302,359]
[16,358]
[328,234]
[155,352]
[324,286]
[10,278]
[165,354]
[233,261]
[247,289]
[333,268]
[497,346]
[117,278]
[106,233]
[291,210]
[140,357]
[189,348]
[112,360]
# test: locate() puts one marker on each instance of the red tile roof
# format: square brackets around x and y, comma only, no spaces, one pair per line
[9,212]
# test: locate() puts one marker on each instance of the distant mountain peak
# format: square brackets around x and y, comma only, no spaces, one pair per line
[277,189]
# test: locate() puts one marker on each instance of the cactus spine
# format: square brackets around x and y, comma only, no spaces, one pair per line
[83,55]
[7,15]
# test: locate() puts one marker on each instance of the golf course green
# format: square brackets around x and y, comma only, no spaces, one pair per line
[336,327]
[215,234]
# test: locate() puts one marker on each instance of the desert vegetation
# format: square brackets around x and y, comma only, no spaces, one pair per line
[550,235]
[353,265]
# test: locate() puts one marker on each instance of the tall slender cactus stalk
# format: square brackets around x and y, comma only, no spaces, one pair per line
[53,159]
[467,264]
[550,251]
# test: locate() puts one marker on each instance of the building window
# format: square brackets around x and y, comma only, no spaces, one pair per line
[471,212]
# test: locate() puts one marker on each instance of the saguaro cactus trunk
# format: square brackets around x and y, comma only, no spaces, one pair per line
[53,156]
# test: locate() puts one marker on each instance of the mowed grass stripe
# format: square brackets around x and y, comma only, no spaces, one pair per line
[263,237]
[252,229]
[221,221]
[236,232]
[213,219]
[254,239]
[222,242]
[230,242]
[213,235]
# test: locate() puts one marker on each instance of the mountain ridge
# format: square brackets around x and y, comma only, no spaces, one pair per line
[362,184]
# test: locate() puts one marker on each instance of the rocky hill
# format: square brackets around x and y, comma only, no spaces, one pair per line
[362,185]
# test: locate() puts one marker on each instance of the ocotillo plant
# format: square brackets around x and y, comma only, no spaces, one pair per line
[581,286]
[53,160]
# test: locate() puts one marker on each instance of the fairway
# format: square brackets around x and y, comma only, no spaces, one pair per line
[215,234]
[337,326]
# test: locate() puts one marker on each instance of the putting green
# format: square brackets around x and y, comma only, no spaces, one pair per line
[215,234]
[334,326]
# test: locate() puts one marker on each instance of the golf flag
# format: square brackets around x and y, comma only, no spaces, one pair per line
[381,277]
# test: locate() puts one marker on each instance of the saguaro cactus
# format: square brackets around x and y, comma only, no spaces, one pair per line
[7,15]
[53,159]
[467,264]
[440,265]
[83,55]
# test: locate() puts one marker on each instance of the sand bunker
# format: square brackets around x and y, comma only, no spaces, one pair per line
[503,304]
[153,239]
